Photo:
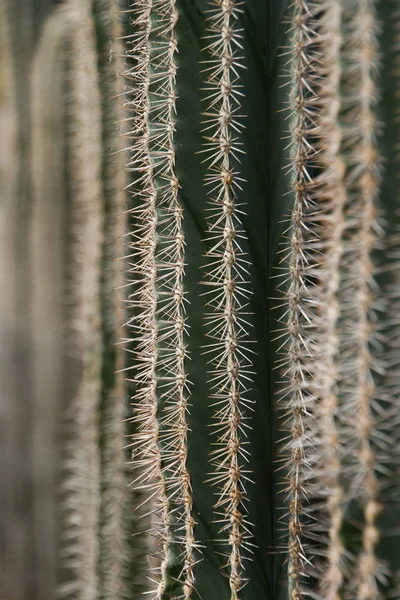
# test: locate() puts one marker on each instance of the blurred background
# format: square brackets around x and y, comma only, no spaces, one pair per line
[61,227]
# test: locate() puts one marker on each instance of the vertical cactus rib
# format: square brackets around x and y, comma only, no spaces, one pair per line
[163,279]
[226,275]
[172,377]
[82,483]
[303,294]
[159,245]
[49,214]
[329,197]
[147,453]
[117,581]
[360,238]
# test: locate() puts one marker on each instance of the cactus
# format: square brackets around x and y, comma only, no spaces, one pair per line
[122,540]
[49,211]
[82,488]
[227,275]
[356,378]
[19,28]
[258,456]
[93,516]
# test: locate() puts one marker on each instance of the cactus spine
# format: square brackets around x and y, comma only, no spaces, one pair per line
[146,453]
[227,276]
[334,233]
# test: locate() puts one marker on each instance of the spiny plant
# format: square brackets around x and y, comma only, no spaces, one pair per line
[158,269]
[261,464]
[81,500]
[115,521]
[346,417]
[19,28]
[333,414]
[227,275]
[49,214]
[357,381]
[315,254]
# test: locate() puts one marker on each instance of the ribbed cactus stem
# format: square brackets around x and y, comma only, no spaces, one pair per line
[172,375]
[330,196]
[49,215]
[227,275]
[360,97]
[147,451]
[303,296]
[118,577]
[84,349]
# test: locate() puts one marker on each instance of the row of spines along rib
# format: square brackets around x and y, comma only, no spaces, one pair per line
[338,400]
[226,278]
[122,538]
[159,328]
[83,207]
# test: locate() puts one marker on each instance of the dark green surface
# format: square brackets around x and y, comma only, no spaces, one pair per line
[388,111]
[265,205]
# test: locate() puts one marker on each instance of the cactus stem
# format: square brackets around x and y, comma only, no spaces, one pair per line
[160,245]
[330,195]
[227,275]
[116,523]
[392,292]
[171,311]
[82,487]
[147,453]
[303,296]
[360,238]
